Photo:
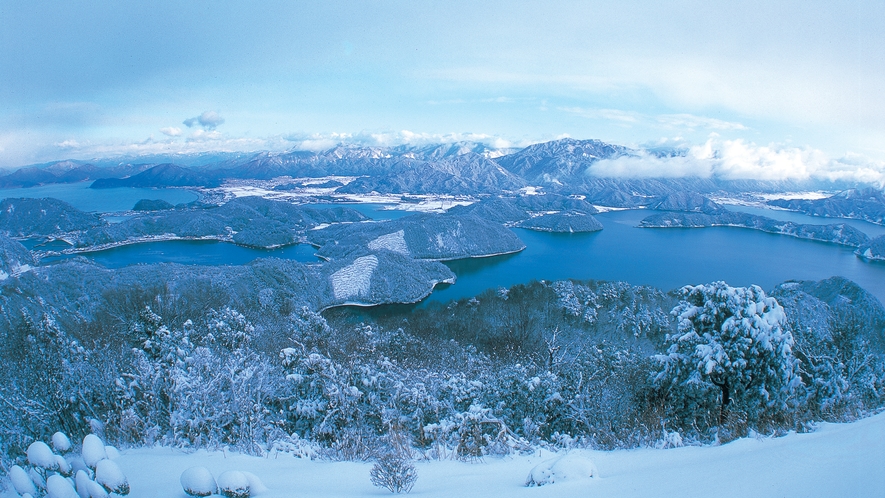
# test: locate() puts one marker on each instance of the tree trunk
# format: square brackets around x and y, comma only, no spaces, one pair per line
[726,398]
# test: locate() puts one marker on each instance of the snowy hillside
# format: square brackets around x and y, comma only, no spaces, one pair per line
[835,460]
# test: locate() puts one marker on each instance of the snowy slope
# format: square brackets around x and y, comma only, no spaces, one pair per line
[836,460]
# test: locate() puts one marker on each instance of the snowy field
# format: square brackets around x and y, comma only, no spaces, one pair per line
[836,460]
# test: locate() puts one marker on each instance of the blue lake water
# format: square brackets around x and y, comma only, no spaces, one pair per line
[666,258]
[108,200]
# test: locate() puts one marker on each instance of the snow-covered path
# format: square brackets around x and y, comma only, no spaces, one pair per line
[836,460]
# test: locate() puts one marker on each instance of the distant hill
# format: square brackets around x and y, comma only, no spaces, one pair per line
[866,204]
[29,217]
[162,175]
[559,162]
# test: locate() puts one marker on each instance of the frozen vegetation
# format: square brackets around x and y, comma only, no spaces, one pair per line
[837,233]
[197,371]
[33,217]
[14,258]
[866,204]
[422,236]
[562,222]
[545,367]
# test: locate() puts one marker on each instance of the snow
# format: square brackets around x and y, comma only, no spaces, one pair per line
[39,455]
[109,475]
[264,189]
[561,469]
[256,486]
[354,279]
[198,481]
[835,460]
[233,484]
[59,487]
[87,488]
[62,465]
[395,242]
[20,481]
[61,442]
[93,450]
[112,452]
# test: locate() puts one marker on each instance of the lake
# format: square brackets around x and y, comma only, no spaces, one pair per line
[663,258]
[666,258]
[110,200]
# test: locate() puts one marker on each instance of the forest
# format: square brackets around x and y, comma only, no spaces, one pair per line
[547,364]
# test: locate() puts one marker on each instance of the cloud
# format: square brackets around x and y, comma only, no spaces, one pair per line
[688,122]
[68,144]
[738,159]
[209,120]
[203,136]
[691,121]
[171,131]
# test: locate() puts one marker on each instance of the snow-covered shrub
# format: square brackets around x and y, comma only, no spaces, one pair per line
[59,487]
[473,434]
[93,450]
[198,481]
[669,439]
[40,455]
[733,340]
[60,442]
[233,484]
[87,488]
[394,473]
[21,481]
[109,475]
[561,469]
[527,400]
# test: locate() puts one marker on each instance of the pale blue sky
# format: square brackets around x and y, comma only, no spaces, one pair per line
[83,79]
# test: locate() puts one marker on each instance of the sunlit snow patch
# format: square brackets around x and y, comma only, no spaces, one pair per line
[561,469]
[395,242]
[354,279]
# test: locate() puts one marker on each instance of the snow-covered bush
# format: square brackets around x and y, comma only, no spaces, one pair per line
[198,481]
[21,481]
[93,450]
[109,475]
[394,473]
[561,469]
[233,484]
[87,488]
[61,443]
[41,456]
[59,487]
[732,340]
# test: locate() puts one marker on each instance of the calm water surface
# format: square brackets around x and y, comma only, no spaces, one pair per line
[108,200]
[663,258]
[666,258]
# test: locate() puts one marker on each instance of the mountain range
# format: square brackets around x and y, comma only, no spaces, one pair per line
[463,168]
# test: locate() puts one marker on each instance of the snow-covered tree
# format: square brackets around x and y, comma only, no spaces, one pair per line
[733,338]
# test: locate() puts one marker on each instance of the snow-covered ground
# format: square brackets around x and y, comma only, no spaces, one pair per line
[355,279]
[428,203]
[836,460]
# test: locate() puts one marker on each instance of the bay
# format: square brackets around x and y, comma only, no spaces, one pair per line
[110,200]
[666,258]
